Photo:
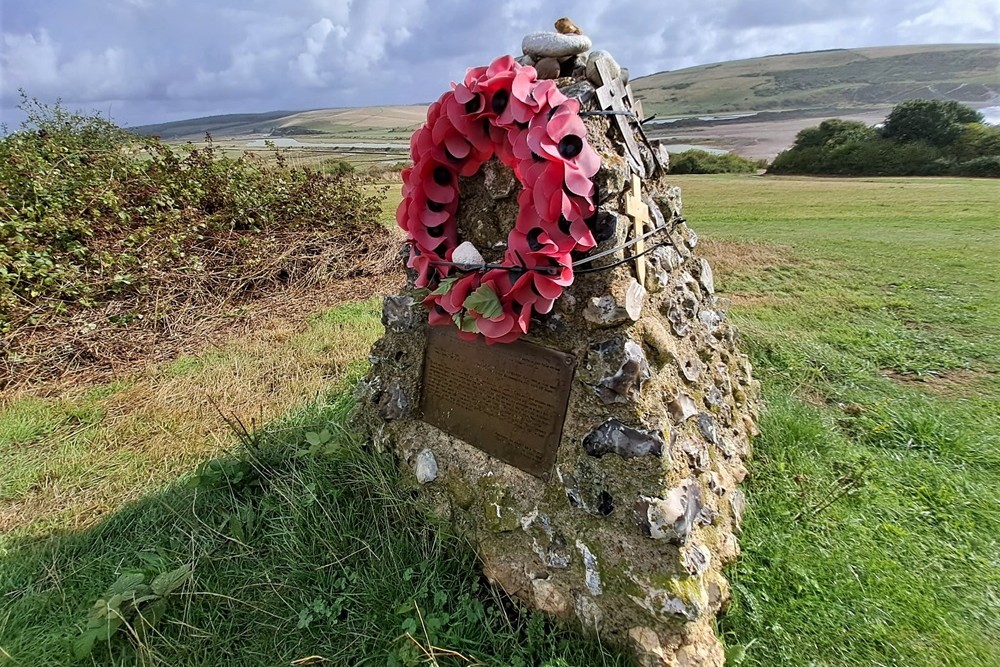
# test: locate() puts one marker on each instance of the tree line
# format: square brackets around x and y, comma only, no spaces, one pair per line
[918,138]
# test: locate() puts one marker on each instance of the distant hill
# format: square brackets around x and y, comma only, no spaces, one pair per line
[227,125]
[789,87]
[359,123]
[828,81]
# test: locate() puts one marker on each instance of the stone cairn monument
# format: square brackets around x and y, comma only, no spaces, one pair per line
[558,375]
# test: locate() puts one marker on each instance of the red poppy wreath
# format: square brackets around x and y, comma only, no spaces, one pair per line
[530,126]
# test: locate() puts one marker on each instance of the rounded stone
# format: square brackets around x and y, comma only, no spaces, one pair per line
[547,68]
[594,74]
[554,45]
[426,467]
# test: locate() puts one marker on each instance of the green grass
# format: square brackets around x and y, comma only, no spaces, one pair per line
[293,552]
[873,523]
[871,310]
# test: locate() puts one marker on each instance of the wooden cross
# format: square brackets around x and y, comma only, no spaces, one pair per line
[612,96]
[639,212]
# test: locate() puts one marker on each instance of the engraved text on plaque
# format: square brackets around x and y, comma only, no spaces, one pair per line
[508,400]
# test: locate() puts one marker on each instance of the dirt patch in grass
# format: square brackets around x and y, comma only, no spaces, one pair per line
[951,383]
[91,348]
[744,257]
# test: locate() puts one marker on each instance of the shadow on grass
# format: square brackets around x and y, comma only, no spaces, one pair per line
[303,545]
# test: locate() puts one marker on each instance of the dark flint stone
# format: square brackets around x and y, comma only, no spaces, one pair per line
[614,437]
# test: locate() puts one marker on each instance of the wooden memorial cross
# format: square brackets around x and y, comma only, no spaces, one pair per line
[639,212]
[612,96]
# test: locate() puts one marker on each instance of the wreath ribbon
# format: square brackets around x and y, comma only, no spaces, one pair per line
[502,110]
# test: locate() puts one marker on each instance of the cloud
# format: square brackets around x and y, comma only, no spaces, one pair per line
[160,60]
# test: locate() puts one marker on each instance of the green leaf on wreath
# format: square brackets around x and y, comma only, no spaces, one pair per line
[485,302]
[465,322]
[444,286]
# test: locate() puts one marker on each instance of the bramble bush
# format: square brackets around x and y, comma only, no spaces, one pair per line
[89,212]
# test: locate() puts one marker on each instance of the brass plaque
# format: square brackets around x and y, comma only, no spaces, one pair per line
[509,400]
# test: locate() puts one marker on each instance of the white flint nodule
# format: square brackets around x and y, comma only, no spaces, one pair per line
[467,254]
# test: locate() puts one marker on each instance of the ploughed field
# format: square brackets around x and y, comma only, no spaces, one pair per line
[871,311]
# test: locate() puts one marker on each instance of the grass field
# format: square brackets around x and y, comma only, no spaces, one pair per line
[871,309]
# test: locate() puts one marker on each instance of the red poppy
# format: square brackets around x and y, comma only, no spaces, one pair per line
[530,126]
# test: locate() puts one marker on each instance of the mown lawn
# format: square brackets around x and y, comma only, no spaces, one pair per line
[871,309]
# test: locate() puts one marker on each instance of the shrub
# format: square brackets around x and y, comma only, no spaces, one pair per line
[981,167]
[936,122]
[336,166]
[703,162]
[920,138]
[91,212]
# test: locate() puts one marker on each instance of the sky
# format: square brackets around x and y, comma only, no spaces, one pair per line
[147,61]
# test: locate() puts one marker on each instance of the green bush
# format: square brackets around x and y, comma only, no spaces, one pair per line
[90,211]
[336,166]
[936,122]
[703,162]
[920,138]
[980,166]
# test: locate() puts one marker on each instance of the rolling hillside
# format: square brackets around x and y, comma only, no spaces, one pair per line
[828,81]
[357,123]
[779,95]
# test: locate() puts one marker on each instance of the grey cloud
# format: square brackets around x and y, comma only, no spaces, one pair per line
[154,60]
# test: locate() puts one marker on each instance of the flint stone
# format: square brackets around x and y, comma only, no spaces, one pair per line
[605,226]
[587,611]
[625,385]
[581,90]
[594,74]
[705,276]
[706,424]
[614,437]
[634,298]
[393,403]
[713,398]
[550,557]
[591,576]
[697,454]
[426,467]
[671,518]
[691,369]
[738,503]
[467,254]
[710,318]
[696,559]
[682,408]
[605,311]
[669,201]
[547,68]
[554,45]
[397,313]
[677,321]
[662,153]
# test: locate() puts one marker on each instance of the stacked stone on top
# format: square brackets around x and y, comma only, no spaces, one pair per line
[629,531]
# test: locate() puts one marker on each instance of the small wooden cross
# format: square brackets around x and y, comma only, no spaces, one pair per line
[612,96]
[639,212]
